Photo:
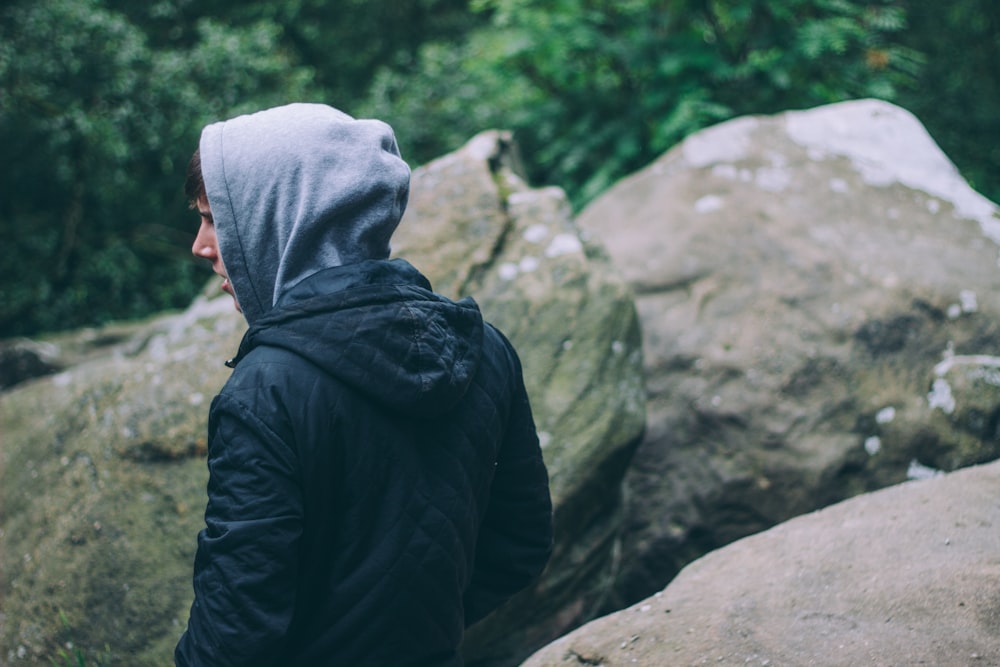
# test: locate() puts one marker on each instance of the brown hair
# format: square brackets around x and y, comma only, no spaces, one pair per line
[194,185]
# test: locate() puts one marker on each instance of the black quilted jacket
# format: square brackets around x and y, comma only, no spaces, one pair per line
[376,483]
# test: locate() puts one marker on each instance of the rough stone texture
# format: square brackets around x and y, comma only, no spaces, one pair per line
[23,359]
[478,230]
[103,486]
[102,469]
[908,575]
[819,297]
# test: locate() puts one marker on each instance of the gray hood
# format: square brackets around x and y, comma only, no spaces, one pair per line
[297,189]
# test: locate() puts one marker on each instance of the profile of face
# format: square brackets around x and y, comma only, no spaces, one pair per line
[206,246]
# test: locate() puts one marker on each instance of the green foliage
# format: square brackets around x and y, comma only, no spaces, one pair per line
[74,656]
[343,42]
[594,89]
[97,127]
[70,657]
[101,102]
[446,95]
[959,94]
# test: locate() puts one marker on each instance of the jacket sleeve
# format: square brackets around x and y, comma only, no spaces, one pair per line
[246,564]
[515,539]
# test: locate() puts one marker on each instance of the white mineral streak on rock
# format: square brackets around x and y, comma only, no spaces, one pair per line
[772,179]
[981,360]
[707,204]
[726,142]
[967,303]
[536,233]
[727,171]
[941,397]
[507,271]
[528,264]
[777,176]
[968,300]
[886,145]
[918,470]
[885,415]
[989,375]
[564,244]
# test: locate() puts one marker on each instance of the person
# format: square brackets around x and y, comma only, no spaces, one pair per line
[376,483]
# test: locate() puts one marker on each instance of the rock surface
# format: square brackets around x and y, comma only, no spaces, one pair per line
[903,576]
[102,468]
[23,359]
[477,229]
[819,298]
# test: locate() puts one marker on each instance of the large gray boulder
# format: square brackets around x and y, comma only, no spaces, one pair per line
[477,229]
[903,576]
[819,298]
[102,468]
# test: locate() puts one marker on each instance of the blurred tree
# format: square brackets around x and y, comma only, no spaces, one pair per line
[594,89]
[97,127]
[449,92]
[101,101]
[958,98]
[343,42]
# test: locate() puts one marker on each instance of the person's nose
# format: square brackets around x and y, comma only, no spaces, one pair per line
[205,245]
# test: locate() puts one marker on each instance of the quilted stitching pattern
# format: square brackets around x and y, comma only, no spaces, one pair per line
[398,424]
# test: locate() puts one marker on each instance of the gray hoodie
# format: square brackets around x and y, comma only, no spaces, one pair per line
[297,189]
